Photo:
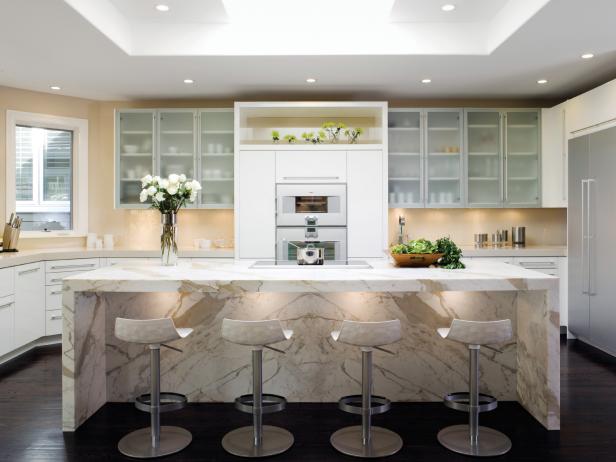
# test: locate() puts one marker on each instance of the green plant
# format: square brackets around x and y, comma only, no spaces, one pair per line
[333,130]
[307,136]
[353,134]
[290,139]
[275,136]
[451,259]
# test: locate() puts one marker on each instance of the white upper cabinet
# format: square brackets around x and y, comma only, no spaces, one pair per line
[592,111]
[176,142]
[216,160]
[311,166]
[406,188]
[554,157]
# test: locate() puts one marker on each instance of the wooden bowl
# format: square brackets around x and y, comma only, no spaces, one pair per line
[417,260]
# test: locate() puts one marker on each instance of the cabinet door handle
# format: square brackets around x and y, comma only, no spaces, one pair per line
[6,305]
[310,177]
[56,292]
[55,280]
[56,317]
[85,265]
[33,270]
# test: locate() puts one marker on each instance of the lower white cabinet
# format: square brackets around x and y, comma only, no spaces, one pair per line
[29,321]
[53,322]
[7,286]
[7,313]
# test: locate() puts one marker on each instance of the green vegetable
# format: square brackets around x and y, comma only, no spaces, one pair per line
[451,259]
[416,246]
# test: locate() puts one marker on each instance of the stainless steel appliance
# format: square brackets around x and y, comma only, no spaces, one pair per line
[518,236]
[311,205]
[310,254]
[591,220]
[332,240]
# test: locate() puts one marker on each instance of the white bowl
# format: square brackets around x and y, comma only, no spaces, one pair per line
[130,148]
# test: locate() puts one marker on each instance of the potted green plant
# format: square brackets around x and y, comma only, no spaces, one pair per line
[353,134]
[307,136]
[333,130]
[275,136]
[290,139]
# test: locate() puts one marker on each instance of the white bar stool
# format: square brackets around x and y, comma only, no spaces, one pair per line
[257,440]
[154,441]
[471,439]
[366,440]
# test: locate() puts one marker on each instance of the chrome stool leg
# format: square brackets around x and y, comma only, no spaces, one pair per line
[155,441]
[365,440]
[472,439]
[258,440]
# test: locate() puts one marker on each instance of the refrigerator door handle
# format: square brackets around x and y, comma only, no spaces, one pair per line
[591,237]
[584,243]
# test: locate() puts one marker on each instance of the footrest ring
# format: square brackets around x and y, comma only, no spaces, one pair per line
[269,403]
[353,404]
[460,402]
[168,402]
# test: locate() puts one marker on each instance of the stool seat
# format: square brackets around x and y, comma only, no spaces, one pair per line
[478,332]
[254,333]
[368,334]
[149,331]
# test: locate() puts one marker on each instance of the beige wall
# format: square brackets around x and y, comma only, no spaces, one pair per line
[139,228]
[543,226]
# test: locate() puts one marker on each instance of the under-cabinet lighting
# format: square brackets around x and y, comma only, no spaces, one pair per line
[448,7]
[542,81]
[162,8]
[318,10]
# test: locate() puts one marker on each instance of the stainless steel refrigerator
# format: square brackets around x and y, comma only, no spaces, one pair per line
[591,239]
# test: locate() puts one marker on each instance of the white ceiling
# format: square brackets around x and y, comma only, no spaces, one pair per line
[46,42]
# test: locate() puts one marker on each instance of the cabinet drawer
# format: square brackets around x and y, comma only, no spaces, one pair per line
[311,167]
[56,278]
[7,313]
[53,322]
[7,282]
[82,264]
[53,297]
[538,262]
[132,261]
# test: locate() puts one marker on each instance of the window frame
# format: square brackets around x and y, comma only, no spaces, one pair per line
[79,127]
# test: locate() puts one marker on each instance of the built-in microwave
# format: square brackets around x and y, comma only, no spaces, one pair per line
[311,205]
[333,240]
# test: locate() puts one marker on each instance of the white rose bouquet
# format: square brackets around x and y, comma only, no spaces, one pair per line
[169,195]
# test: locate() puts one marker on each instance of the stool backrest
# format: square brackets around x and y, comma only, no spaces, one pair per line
[150,331]
[370,334]
[252,333]
[480,332]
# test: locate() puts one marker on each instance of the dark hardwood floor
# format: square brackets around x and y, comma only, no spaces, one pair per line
[30,413]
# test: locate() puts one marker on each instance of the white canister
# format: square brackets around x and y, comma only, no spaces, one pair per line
[91,240]
[99,244]
[205,244]
[108,241]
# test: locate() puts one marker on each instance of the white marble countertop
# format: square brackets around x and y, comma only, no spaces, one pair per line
[528,251]
[35,255]
[237,276]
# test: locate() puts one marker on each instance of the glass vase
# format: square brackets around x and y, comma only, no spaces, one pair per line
[168,239]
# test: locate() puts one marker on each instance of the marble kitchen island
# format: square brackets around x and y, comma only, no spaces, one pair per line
[98,368]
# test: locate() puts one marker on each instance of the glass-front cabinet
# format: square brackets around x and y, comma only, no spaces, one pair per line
[198,143]
[135,153]
[484,158]
[444,158]
[522,171]
[216,159]
[405,158]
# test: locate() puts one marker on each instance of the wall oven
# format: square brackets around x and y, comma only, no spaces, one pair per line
[332,239]
[312,205]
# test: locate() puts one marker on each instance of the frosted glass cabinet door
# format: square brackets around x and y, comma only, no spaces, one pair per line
[177,143]
[135,154]
[522,158]
[484,171]
[405,160]
[444,161]
[217,158]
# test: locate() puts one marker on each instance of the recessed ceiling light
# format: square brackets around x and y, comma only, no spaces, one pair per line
[55,87]
[189,81]
[448,7]
[588,56]
[542,81]
[162,7]
[311,80]
[426,80]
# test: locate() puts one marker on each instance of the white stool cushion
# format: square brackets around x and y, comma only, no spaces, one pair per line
[254,333]
[368,334]
[149,331]
[478,332]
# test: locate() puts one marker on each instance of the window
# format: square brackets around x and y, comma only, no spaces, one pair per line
[47,173]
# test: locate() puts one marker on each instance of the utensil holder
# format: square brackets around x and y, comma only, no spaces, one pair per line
[10,238]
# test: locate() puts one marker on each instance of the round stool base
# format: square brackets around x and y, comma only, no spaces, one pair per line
[490,442]
[138,444]
[383,442]
[240,442]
